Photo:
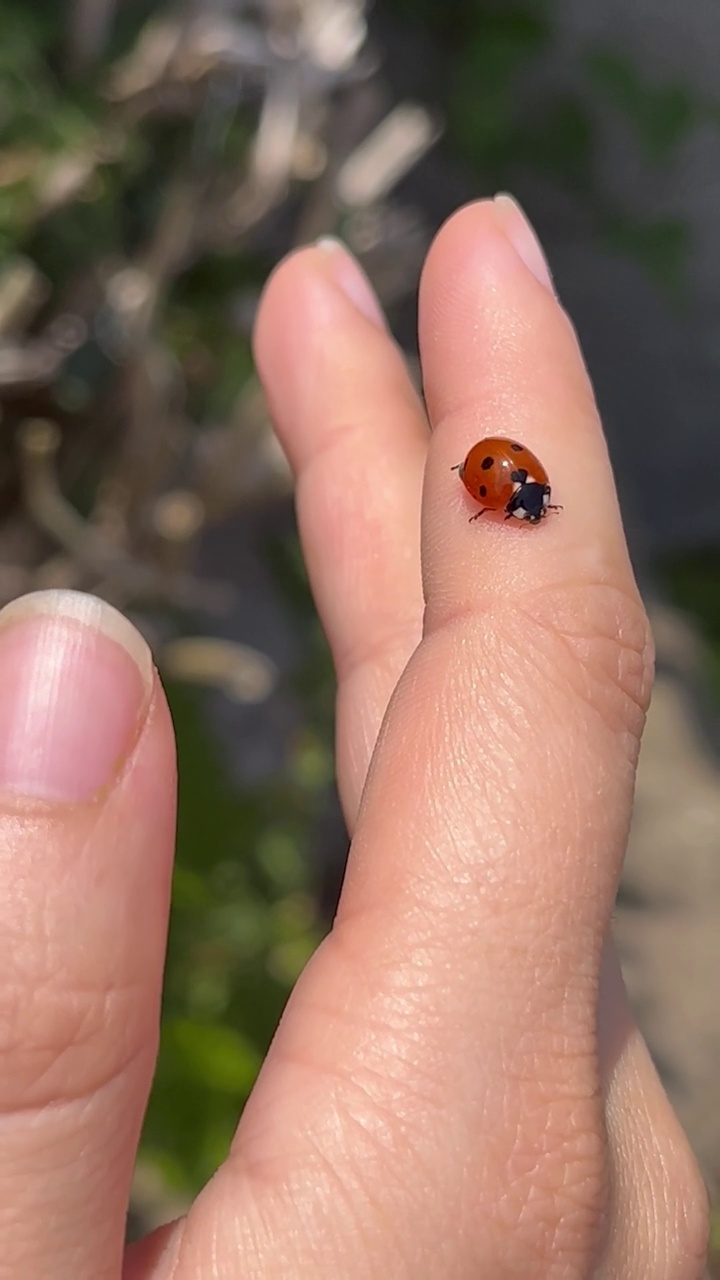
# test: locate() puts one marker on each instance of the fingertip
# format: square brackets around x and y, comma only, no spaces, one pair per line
[322,281]
[501,359]
[346,272]
[318,329]
[516,225]
[274,297]
[501,215]
[75,682]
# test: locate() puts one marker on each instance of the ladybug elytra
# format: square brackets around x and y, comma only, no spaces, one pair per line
[502,475]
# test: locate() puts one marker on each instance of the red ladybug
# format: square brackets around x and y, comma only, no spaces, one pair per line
[505,476]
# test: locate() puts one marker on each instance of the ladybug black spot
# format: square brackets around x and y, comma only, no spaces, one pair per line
[517,448]
[483,491]
[487,463]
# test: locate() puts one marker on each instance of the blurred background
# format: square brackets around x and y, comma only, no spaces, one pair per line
[156,160]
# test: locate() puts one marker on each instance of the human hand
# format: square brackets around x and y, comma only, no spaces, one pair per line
[457,1088]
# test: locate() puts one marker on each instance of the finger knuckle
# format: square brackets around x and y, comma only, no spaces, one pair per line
[60,1042]
[594,640]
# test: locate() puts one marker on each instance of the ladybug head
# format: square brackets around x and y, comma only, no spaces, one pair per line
[530,502]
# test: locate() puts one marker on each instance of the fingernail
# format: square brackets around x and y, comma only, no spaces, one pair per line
[517,228]
[74,678]
[350,277]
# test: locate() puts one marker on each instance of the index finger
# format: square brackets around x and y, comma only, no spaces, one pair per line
[500,357]
[540,629]
[528,693]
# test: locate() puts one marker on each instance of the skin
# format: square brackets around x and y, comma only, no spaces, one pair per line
[457,1088]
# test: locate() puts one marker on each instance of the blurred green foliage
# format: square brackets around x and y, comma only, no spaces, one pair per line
[662,247]
[482,106]
[216,359]
[661,115]
[491,50]
[244,922]
[245,915]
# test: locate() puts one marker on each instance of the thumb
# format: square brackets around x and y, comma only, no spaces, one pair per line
[87,786]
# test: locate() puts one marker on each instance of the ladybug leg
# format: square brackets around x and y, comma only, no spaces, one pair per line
[456,467]
[554,506]
[478,514]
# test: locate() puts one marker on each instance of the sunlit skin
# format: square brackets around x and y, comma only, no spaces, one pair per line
[457,1089]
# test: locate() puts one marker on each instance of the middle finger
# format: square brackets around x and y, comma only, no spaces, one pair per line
[356,436]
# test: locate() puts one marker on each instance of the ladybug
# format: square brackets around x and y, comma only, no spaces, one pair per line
[505,476]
